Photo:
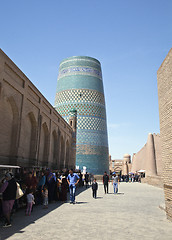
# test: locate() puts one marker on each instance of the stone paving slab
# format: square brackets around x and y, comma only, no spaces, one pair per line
[134,213]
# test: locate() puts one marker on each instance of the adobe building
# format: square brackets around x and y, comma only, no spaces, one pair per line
[149,160]
[120,166]
[32,132]
[164,77]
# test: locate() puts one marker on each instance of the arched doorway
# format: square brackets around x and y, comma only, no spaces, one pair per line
[118,171]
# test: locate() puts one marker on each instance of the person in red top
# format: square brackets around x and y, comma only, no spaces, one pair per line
[31,182]
[105,182]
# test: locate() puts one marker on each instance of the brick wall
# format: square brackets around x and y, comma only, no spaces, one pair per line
[156,181]
[32,132]
[164,77]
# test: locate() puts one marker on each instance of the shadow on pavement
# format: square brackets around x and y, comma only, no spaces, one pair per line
[81,202]
[20,221]
[117,193]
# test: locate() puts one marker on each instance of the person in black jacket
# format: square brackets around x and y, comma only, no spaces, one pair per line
[105,182]
[8,191]
[94,188]
[86,179]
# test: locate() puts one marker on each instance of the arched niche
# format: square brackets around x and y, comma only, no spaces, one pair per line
[67,154]
[33,135]
[62,152]
[9,118]
[55,148]
[44,144]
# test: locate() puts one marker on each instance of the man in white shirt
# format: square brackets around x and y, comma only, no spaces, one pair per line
[115,181]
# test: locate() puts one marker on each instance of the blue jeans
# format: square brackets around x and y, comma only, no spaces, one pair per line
[115,187]
[72,193]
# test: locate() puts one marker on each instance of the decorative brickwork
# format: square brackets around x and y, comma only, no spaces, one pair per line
[164,76]
[80,87]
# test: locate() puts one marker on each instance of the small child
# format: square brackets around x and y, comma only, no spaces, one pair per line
[94,188]
[45,197]
[30,202]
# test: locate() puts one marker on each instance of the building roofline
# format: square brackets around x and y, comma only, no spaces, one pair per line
[164,60]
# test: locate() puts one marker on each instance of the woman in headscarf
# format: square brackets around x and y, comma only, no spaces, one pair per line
[8,191]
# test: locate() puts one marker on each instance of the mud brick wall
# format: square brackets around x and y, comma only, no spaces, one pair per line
[164,77]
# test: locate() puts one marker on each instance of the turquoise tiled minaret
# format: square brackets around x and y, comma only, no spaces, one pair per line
[80,87]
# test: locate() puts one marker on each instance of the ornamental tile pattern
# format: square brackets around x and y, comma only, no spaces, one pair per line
[81,71]
[80,95]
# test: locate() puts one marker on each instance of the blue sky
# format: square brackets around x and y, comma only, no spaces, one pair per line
[129,37]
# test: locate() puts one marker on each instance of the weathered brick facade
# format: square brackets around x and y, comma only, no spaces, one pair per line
[164,76]
[32,132]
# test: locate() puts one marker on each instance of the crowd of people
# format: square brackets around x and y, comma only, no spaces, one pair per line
[115,179]
[38,187]
[44,186]
[133,177]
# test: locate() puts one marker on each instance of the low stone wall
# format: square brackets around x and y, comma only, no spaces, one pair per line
[154,181]
[99,177]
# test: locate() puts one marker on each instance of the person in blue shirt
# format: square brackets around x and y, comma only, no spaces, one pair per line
[72,180]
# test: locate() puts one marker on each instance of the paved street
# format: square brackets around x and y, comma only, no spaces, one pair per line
[134,213]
